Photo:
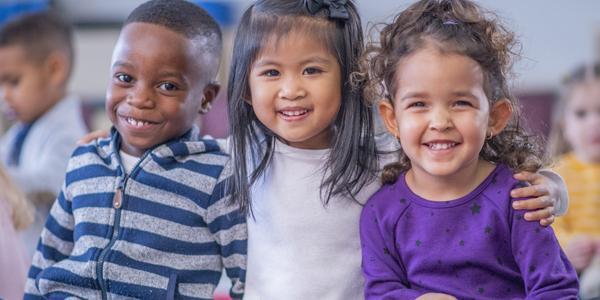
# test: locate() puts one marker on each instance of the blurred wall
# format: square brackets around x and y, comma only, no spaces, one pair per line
[556,35]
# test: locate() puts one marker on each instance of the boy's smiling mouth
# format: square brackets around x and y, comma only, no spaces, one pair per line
[137,123]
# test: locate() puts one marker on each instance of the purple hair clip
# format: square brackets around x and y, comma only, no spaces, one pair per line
[450,22]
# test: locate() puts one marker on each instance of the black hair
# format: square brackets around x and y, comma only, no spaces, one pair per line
[40,34]
[185,18]
[352,160]
[459,27]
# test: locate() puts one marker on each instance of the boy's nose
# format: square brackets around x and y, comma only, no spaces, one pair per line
[140,98]
[292,89]
[4,94]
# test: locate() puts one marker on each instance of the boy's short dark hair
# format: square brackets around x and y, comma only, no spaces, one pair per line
[185,18]
[40,34]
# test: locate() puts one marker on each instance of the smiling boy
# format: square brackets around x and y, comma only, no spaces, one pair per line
[144,213]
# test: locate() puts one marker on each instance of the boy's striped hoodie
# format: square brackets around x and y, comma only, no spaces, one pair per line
[166,230]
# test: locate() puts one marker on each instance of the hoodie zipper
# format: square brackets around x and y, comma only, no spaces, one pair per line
[117,204]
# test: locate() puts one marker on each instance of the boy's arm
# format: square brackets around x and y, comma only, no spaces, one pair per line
[55,244]
[546,272]
[50,167]
[228,227]
[385,278]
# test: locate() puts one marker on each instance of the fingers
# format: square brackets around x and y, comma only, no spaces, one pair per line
[539,214]
[529,191]
[102,133]
[547,221]
[535,203]
[532,178]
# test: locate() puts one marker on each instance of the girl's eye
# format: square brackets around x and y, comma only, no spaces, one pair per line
[312,71]
[124,78]
[580,113]
[462,103]
[270,73]
[167,86]
[417,104]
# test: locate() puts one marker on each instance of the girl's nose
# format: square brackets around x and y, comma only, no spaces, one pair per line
[292,89]
[440,120]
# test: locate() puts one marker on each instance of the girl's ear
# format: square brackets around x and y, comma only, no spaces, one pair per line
[386,110]
[500,115]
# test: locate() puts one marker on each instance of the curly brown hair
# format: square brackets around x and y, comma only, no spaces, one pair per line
[459,27]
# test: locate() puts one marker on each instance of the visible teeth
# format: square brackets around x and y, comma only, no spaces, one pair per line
[293,113]
[136,123]
[440,146]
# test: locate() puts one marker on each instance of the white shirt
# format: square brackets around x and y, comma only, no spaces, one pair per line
[298,248]
[128,161]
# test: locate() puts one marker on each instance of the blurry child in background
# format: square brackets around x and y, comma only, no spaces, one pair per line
[36,59]
[443,226]
[15,214]
[575,142]
[144,213]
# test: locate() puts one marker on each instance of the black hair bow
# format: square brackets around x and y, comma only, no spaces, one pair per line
[337,8]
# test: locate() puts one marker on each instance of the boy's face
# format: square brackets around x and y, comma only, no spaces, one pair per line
[23,85]
[156,88]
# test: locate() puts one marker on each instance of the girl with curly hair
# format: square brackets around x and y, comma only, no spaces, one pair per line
[443,225]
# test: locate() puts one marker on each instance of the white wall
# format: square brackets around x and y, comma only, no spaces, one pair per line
[556,35]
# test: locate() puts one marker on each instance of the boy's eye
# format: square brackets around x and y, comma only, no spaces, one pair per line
[270,73]
[167,86]
[124,78]
[580,113]
[311,71]
[11,81]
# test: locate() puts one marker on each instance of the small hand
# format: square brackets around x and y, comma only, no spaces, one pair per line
[435,296]
[580,250]
[102,133]
[541,191]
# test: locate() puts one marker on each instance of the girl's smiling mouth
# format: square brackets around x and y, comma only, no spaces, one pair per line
[293,113]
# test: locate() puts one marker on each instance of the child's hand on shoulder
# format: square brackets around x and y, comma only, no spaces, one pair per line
[436,296]
[101,133]
[543,195]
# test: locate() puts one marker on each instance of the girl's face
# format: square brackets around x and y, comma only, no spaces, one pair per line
[295,89]
[441,113]
[582,121]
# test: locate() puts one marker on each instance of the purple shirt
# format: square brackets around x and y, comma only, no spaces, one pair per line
[474,247]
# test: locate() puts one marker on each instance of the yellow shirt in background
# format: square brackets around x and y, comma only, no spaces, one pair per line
[583,185]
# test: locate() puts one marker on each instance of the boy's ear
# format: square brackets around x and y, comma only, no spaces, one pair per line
[386,111]
[210,93]
[500,115]
[57,67]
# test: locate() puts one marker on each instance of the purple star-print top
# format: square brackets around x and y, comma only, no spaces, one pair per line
[474,247]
